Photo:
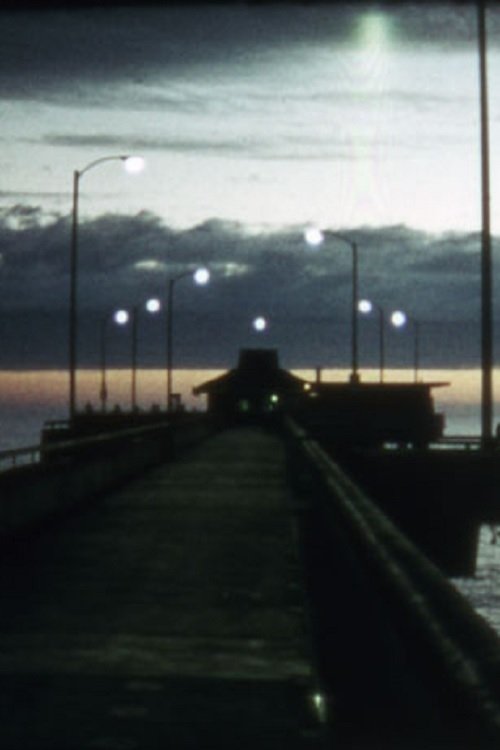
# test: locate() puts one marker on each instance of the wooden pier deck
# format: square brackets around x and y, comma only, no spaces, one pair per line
[169,614]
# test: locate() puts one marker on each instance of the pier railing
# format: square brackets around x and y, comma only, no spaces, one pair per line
[66,473]
[30,454]
[361,564]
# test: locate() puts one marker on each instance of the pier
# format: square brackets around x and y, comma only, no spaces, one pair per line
[237,589]
[170,613]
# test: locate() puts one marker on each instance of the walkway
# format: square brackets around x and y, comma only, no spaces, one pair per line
[171,614]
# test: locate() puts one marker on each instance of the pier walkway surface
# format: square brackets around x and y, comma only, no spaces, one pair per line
[168,614]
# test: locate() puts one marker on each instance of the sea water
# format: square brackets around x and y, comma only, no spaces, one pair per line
[483,589]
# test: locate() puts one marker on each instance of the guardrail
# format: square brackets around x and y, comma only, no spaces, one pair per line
[19,457]
[72,472]
[34,454]
[31,454]
[449,442]
[465,442]
[426,628]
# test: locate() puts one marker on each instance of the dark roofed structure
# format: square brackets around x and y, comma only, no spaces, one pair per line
[343,413]
[256,387]
[372,413]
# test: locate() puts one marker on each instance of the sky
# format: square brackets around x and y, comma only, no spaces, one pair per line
[255,121]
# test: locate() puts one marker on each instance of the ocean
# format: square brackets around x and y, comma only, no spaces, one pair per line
[29,398]
[483,590]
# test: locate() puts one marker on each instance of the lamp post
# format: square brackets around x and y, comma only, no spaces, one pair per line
[200,277]
[103,391]
[416,348]
[366,307]
[400,319]
[316,237]
[486,261]
[397,319]
[122,317]
[133,164]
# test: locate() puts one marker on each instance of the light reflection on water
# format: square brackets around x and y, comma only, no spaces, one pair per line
[483,590]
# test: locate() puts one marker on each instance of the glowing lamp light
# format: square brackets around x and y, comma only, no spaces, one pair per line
[153,305]
[320,706]
[121,317]
[260,324]
[374,30]
[201,276]
[398,319]
[314,236]
[365,306]
[134,164]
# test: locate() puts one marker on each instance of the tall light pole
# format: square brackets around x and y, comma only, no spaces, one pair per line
[316,236]
[103,391]
[133,398]
[366,307]
[132,164]
[400,319]
[122,317]
[201,276]
[486,272]
[416,348]
[397,319]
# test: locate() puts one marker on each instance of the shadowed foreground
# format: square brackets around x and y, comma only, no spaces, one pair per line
[169,614]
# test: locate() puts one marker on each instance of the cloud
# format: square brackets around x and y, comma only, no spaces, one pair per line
[10,195]
[128,256]
[304,293]
[122,144]
[42,50]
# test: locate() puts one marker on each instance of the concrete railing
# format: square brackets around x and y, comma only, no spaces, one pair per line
[388,622]
[74,471]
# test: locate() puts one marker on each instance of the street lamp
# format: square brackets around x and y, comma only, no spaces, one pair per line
[133,164]
[315,237]
[401,320]
[396,318]
[366,307]
[103,391]
[200,277]
[487,358]
[122,317]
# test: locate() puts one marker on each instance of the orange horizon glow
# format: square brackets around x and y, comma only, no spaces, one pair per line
[50,387]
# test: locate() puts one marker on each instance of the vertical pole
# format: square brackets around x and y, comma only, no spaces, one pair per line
[170,307]
[416,349]
[73,269]
[486,273]
[134,359]
[104,390]
[381,321]
[354,314]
